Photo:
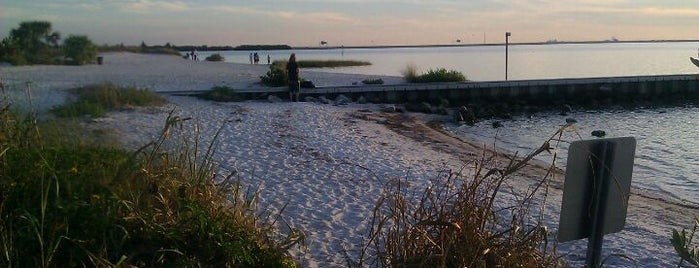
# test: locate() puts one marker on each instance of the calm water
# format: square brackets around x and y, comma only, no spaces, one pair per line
[485,63]
[667,154]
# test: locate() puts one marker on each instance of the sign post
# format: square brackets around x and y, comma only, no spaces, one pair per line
[596,192]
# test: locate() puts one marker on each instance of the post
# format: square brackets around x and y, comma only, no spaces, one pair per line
[507,44]
[601,164]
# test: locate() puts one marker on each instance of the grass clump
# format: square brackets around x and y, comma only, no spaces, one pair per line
[682,241]
[65,202]
[96,100]
[457,222]
[220,94]
[410,74]
[215,57]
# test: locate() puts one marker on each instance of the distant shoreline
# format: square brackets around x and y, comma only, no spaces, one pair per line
[286,47]
[501,44]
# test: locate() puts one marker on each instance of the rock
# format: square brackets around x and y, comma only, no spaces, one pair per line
[466,115]
[389,109]
[342,100]
[571,120]
[310,99]
[422,107]
[598,133]
[273,99]
[324,100]
[565,109]
[497,124]
[307,84]
[361,100]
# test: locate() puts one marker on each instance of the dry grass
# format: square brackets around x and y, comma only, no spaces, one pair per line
[459,221]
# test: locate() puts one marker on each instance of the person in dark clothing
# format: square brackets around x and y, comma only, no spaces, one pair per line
[292,71]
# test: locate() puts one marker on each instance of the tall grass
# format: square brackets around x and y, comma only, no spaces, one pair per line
[410,74]
[65,202]
[456,222]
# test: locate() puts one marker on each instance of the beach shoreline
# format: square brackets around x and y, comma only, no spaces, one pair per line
[327,163]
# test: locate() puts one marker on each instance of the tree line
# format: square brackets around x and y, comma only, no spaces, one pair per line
[35,42]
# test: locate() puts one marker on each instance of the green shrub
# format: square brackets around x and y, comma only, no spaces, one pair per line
[221,94]
[276,76]
[95,100]
[80,50]
[215,57]
[432,76]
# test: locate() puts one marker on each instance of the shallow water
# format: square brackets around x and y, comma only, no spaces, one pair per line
[667,150]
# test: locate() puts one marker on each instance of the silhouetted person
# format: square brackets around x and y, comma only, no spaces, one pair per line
[292,71]
[269,60]
[257,58]
[250,57]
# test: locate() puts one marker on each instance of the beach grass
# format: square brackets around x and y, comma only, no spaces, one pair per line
[411,75]
[455,222]
[66,202]
[97,100]
[685,246]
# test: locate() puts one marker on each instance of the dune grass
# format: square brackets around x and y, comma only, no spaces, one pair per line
[66,202]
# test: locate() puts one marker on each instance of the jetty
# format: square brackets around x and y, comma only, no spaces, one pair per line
[684,87]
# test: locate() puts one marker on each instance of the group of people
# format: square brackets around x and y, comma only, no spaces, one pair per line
[192,55]
[255,58]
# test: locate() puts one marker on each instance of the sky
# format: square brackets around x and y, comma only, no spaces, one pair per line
[356,22]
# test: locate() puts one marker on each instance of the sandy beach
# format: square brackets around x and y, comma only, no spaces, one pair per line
[326,164]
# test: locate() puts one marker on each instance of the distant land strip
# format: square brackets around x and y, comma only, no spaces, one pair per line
[287,47]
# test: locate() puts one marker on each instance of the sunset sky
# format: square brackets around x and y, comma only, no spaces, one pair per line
[357,22]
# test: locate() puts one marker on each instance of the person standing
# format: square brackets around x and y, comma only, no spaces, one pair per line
[250,57]
[269,60]
[292,71]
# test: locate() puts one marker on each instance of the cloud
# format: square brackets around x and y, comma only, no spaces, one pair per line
[147,6]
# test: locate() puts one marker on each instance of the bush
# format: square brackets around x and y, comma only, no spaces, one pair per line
[440,75]
[221,94]
[215,57]
[79,49]
[276,76]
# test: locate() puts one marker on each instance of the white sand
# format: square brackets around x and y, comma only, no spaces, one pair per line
[324,162]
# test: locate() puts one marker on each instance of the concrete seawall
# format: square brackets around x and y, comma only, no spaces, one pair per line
[529,92]
[575,91]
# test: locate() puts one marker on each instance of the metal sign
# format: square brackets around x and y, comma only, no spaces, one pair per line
[596,191]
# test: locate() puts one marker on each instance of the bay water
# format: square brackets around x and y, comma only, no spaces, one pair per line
[667,152]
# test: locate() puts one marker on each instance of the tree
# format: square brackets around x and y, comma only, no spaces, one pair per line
[30,43]
[80,49]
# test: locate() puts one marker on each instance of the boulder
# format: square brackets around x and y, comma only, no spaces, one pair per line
[273,98]
[342,100]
